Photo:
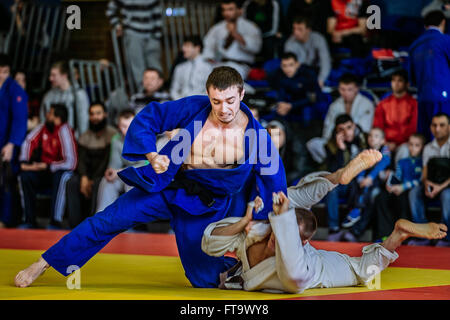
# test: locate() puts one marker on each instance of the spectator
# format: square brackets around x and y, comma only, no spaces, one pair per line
[63,92]
[94,147]
[351,102]
[266,15]
[396,115]
[346,25]
[295,84]
[33,104]
[346,142]
[152,83]
[435,176]
[366,188]
[110,185]
[141,27]
[392,202]
[430,71]
[13,128]
[48,158]
[189,77]
[435,5]
[313,9]
[234,41]
[310,47]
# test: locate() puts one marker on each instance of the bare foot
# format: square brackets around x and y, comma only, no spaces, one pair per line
[429,230]
[26,277]
[362,161]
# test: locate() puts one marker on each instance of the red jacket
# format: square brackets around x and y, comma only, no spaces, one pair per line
[397,117]
[58,147]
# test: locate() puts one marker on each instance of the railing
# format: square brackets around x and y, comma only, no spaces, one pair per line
[36,34]
[181,18]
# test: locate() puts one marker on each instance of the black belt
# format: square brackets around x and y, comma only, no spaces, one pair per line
[193,187]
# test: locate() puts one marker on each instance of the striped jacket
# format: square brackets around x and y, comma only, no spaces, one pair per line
[57,148]
[139,16]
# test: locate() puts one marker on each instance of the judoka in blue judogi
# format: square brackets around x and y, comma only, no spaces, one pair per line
[191,199]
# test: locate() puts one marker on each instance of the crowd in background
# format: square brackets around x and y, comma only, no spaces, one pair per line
[291,55]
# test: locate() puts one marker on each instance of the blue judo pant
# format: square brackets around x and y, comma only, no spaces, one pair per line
[136,207]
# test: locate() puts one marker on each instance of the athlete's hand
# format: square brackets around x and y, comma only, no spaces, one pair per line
[7,152]
[280,203]
[160,163]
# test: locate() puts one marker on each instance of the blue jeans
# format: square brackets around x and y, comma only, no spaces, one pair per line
[417,202]
[332,203]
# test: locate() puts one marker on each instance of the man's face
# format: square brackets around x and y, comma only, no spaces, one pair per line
[289,67]
[347,129]
[4,73]
[300,31]
[124,124]
[225,104]
[21,79]
[57,78]
[348,91]
[398,85]
[230,12]
[440,128]
[190,51]
[278,137]
[96,114]
[415,146]
[375,139]
[50,116]
[151,82]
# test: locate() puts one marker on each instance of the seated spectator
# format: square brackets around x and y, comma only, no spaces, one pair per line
[396,115]
[310,47]
[266,15]
[48,157]
[295,84]
[152,83]
[111,186]
[234,41]
[94,147]
[346,142]
[435,177]
[367,187]
[13,129]
[63,92]
[351,102]
[313,9]
[434,5]
[346,25]
[189,77]
[392,202]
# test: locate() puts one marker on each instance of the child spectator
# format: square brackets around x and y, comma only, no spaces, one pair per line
[396,115]
[48,158]
[152,82]
[368,181]
[346,142]
[392,202]
[435,177]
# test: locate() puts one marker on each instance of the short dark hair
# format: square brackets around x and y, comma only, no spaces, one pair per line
[126,113]
[434,18]
[238,3]
[62,66]
[402,73]
[159,72]
[289,55]
[5,61]
[348,78]
[195,40]
[419,136]
[342,118]
[98,103]
[441,114]
[60,111]
[302,19]
[308,220]
[222,78]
